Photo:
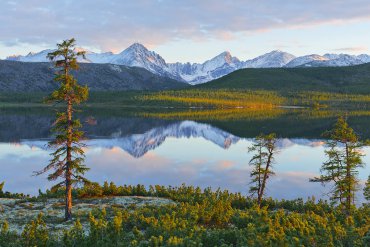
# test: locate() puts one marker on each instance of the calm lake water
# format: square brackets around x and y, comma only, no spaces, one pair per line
[134,150]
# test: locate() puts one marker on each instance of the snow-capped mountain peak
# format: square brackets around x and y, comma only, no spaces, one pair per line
[227,58]
[273,59]
[139,56]
[32,56]
[219,61]
[364,58]
[137,47]
[138,52]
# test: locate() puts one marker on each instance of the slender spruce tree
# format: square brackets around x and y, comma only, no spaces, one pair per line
[264,149]
[68,157]
[341,169]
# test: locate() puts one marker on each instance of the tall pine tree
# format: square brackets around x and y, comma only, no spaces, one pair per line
[67,159]
[341,168]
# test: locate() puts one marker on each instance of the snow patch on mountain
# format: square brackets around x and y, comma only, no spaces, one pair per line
[335,60]
[364,58]
[299,61]
[105,57]
[31,57]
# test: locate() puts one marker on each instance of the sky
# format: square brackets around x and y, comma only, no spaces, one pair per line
[188,30]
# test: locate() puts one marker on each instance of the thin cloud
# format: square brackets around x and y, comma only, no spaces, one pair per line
[352,49]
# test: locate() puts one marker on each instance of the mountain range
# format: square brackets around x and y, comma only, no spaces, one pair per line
[139,144]
[138,55]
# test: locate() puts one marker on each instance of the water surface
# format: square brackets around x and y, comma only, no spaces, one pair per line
[135,150]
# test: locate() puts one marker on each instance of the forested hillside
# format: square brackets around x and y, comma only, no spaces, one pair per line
[351,79]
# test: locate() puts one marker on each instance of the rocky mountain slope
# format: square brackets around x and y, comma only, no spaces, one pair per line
[38,77]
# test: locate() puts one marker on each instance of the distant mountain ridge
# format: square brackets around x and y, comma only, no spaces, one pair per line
[138,55]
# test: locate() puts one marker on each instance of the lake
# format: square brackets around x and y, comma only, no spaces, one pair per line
[126,148]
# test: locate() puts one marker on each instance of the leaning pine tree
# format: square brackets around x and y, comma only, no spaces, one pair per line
[262,160]
[68,157]
[341,169]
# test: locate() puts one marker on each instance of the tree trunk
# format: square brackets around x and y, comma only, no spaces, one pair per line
[68,199]
[259,176]
[349,187]
[264,179]
[68,172]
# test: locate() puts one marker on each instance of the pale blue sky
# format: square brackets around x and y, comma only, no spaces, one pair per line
[190,30]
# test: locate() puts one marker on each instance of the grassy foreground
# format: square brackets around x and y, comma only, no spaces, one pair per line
[191,217]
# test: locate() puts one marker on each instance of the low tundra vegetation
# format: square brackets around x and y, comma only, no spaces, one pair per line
[196,217]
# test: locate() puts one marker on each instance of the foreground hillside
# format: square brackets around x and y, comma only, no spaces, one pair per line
[351,79]
[38,77]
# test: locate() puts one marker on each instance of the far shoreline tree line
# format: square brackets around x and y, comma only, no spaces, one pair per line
[343,152]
